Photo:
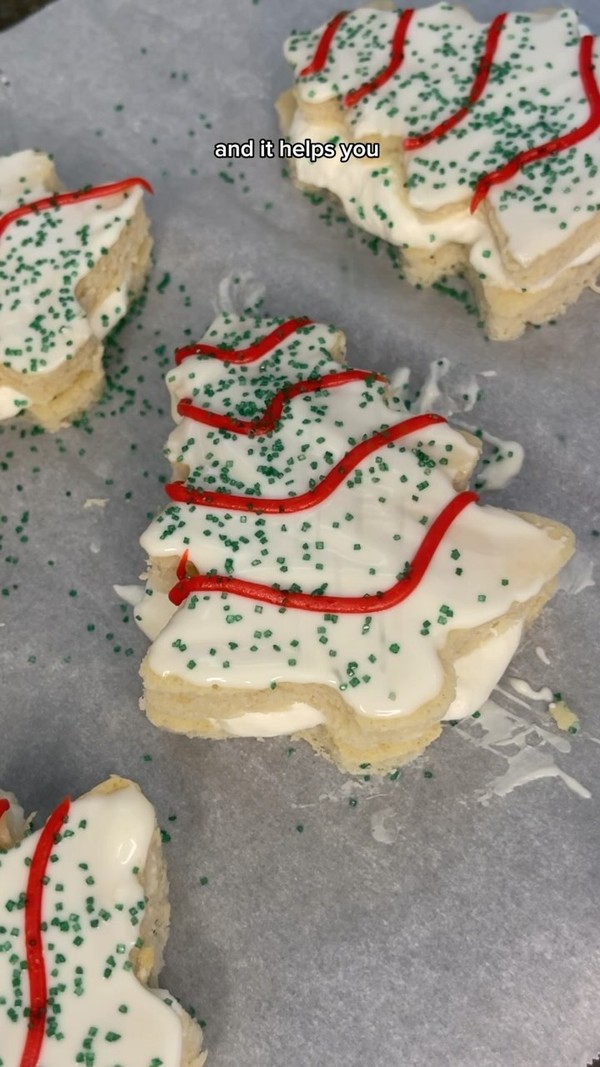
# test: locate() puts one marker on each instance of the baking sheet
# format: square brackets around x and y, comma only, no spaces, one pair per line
[316,920]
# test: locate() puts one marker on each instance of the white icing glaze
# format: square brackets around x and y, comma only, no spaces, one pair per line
[357,541]
[272,724]
[24,177]
[374,199]
[532,765]
[431,392]
[446,389]
[11,402]
[152,612]
[525,747]
[533,94]
[373,195]
[361,49]
[109,312]
[513,699]
[500,463]
[131,594]
[241,390]
[41,328]
[500,460]
[93,904]
[479,671]
[476,675]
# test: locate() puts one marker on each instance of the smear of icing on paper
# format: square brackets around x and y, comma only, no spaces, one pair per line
[239,292]
[525,689]
[530,765]
[96,502]
[447,389]
[500,462]
[384,828]
[576,575]
[511,696]
[527,748]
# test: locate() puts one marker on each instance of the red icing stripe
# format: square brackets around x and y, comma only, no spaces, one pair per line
[343,605]
[397,56]
[181,566]
[322,51]
[245,355]
[179,492]
[34,947]
[272,413]
[4,806]
[479,84]
[60,199]
[558,144]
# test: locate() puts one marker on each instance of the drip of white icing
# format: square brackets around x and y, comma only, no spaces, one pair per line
[272,724]
[399,384]
[130,594]
[541,654]
[446,389]
[110,311]
[431,391]
[499,465]
[11,402]
[526,690]
[35,167]
[531,765]
[478,672]
[525,747]
[513,699]
[577,574]
[153,612]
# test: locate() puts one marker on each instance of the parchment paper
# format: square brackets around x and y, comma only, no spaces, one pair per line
[418,925]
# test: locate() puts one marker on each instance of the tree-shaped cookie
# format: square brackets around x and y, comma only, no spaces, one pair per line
[321,566]
[489,138]
[84,918]
[70,263]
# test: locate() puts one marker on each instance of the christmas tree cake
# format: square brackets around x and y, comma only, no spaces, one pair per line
[487,142]
[83,921]
[70,264]
[322,568]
